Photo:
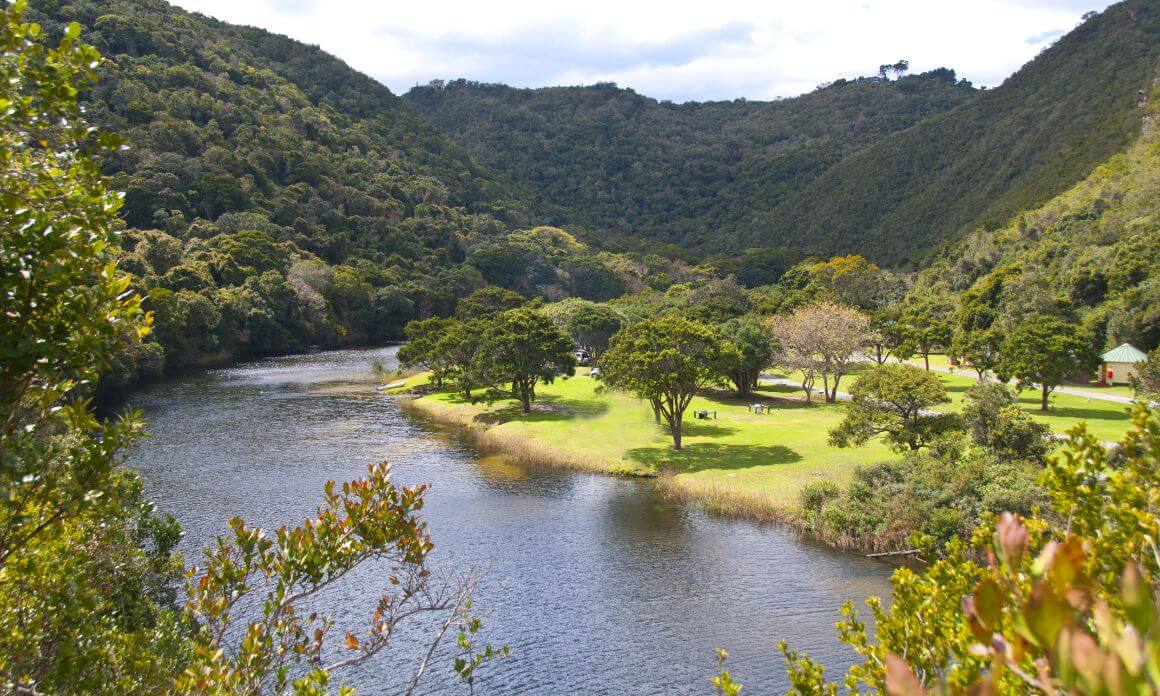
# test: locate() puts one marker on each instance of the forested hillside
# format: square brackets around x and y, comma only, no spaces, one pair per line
[889,169]
[1091,254]
[686,175]
[1011,149]
[277,199]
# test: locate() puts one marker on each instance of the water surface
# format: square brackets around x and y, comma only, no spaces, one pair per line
[598,584]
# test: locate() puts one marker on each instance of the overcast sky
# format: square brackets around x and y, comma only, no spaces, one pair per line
[715,49]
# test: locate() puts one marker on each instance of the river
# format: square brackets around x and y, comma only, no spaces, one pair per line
[598,584]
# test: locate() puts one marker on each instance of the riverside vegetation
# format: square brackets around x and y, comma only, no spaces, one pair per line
[274,199]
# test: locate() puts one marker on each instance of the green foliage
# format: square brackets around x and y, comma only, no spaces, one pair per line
[666,361]
[754,351]
[593,280]
[593,326]
[1028,607]
[460,344]
[1146,381]
[422,350]
[979,348]
[487,302]
[922,328]
[365,520]
[994,419]
[68,515]
[1084,255]
[680,177]
[895,401]
[889,169]
[522,348]
[1045,351]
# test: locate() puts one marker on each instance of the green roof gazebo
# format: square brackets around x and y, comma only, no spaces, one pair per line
[1118,365]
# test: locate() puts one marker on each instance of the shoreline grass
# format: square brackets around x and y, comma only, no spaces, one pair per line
[741,464]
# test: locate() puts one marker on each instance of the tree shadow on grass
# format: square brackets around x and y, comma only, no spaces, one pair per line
[544,409]
[705,428]
[1071,412]
[710,455]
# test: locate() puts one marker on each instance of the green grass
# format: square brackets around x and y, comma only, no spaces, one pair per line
[739,463]
[740,460]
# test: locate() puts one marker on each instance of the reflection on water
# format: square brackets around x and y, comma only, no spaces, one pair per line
[599,584]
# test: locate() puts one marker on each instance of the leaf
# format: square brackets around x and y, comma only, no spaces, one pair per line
[1045,614]
[352,641]
[988,602]
[1011,540]
[900,681]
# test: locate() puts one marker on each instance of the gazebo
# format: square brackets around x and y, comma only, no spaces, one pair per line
[1118,365]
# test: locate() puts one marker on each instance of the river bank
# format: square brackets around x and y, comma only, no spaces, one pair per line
[737,463]
[641,586]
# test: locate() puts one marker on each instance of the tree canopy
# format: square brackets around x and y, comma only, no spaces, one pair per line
[666,361]
[895,401]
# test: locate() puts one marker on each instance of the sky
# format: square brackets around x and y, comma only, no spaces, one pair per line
[708,50]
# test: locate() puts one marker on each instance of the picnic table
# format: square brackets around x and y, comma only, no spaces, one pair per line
[760,408]
[703,414]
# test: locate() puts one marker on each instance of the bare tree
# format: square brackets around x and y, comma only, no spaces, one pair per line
[822,339]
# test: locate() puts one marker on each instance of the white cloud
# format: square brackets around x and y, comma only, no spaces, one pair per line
[716,50]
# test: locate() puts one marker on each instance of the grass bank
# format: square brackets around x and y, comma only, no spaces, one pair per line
[741,463]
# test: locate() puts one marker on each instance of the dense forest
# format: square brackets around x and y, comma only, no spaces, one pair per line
[686,175]
[1090,254]
[888,169]
[278,200]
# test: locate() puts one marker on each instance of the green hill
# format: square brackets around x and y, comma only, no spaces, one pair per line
[1092,252]
[634,170]
[887,169]
[1011,149]
[275,198]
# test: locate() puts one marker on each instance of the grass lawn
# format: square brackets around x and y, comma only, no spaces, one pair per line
[1106,419]
[739,460]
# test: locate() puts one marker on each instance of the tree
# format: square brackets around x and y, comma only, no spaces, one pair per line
[823,338]
[1146,381]
[488,302]
[851,280]
[755,349]
[593,326]
[1026,607]
[667,361]
[68,514]
[894,401]
[367,520]
[1045,351]
[522,347]
[460,347]
[422,350]
[995,421]
[979,348]
[593,280]
[882,335]
[923,328]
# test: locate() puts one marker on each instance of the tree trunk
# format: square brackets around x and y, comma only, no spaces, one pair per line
[675,429]
[982,375]
[656,407]
[525,398]
[1043,404]
[926,359]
